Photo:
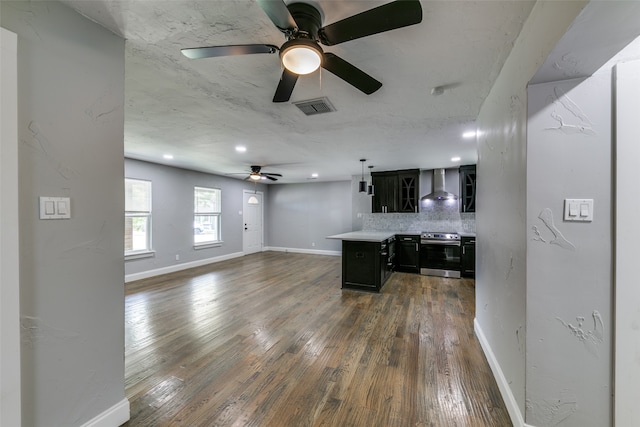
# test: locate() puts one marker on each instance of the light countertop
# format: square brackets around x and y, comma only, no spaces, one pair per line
[379,236]
[364,236]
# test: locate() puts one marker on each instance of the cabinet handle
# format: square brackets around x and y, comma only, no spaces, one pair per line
[417,248]
[463,250]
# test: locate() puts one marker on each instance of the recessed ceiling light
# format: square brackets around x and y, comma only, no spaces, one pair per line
[314,175]
[469,134]
[455,159]
[168,156]
[241,149]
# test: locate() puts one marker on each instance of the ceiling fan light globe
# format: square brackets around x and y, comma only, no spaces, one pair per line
[301,56]
[255,176]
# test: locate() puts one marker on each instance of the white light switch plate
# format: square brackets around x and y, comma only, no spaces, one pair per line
[580,210]
[55,207]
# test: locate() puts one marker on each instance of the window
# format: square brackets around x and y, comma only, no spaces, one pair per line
[137,224]
[206,215]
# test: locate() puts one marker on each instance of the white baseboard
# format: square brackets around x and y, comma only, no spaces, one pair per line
[115,416]
[508,397]
[179,267]
[303,251]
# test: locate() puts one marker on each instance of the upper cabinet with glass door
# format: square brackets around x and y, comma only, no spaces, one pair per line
[468,188]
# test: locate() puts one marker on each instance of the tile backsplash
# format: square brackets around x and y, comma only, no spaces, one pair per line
[439,216]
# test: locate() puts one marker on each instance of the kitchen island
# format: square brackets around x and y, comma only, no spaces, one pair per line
[367,259]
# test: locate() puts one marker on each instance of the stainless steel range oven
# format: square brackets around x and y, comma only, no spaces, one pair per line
[440,254]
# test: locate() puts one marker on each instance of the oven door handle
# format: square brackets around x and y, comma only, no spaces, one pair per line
[433,243]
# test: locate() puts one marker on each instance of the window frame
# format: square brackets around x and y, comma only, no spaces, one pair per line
[216,214]
[147,214]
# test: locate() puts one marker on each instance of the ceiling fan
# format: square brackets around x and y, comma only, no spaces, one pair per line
[256,174]
[301,54]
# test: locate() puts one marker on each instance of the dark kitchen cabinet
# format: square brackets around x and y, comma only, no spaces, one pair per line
[385,187]
[468,258]
[468,188]
[408,185]
[387,258]
[396,191]
[367,265]
[408,253]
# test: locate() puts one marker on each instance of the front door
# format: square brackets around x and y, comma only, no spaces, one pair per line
[252,222]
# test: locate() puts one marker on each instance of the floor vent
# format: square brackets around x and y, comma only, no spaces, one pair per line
[315,106]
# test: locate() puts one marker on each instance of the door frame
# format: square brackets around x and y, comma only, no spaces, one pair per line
[244,240]
[10,381]
[626,237]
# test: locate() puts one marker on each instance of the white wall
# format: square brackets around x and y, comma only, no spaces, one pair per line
[627,291]
[172,217]
[301,216]
[70,128]
[569,276]
[501,203]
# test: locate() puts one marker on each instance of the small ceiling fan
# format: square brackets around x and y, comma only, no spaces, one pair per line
[301,23]
[256,174]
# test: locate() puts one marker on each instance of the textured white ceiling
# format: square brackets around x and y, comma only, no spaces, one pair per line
[199,110]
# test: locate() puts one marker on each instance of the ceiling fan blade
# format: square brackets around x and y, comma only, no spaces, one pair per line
[277,11]
[269,177]
[390,16]
[285,87]
[214,51]
[350,74]
[271,174]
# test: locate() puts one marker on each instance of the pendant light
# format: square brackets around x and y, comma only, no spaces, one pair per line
[362,185]
[370,189]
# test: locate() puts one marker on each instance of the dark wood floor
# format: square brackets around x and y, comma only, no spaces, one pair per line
[270,339]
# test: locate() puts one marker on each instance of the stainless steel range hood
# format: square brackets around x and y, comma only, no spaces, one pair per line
[438,192]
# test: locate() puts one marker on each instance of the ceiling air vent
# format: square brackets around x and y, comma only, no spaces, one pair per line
[315,106]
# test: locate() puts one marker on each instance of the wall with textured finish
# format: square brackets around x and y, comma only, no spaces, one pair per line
[502,200]
[71,133]
[569,264]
